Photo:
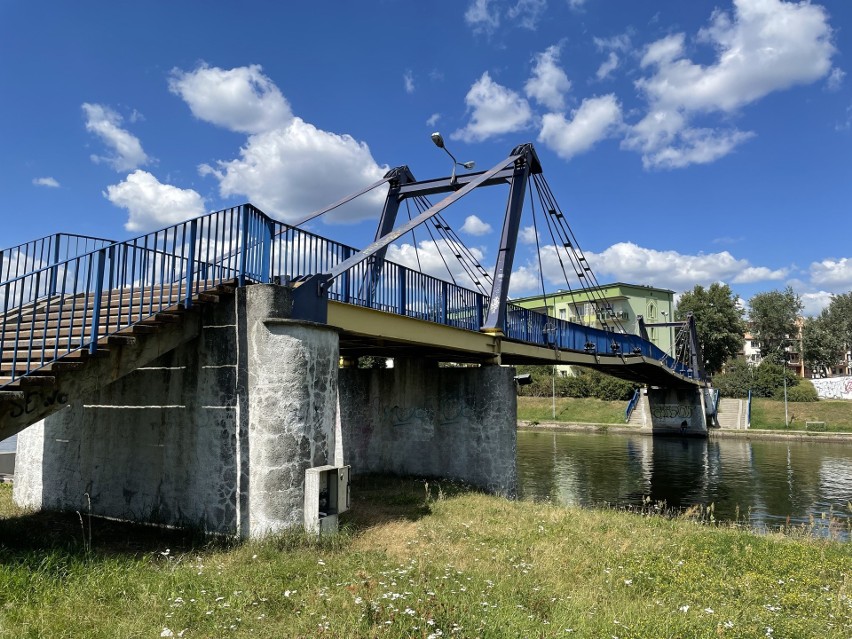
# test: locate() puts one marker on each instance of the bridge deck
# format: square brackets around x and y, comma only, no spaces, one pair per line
[366,331]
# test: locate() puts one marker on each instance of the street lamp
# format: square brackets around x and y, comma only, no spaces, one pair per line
[669,331]
[438,139]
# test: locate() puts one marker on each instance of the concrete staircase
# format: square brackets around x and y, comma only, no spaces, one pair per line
[45,330]
[639,416]
[731,414]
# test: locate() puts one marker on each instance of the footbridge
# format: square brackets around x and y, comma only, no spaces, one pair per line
[130,368]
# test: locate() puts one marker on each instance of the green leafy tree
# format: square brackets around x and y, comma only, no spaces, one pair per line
[840,318]
[737,379]
[773,317]
[718,322]
[822,343]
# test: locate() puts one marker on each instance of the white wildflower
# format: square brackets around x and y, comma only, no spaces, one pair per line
[167,633]
[684,608]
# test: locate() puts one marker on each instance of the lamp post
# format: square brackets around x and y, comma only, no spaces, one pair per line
[669,331]
[438,139]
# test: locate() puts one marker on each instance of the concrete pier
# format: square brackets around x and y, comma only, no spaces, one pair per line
[674,411]
[419,419]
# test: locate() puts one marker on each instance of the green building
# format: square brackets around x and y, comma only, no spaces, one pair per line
[613,307]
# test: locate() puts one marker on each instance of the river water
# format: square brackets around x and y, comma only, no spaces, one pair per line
[763,484]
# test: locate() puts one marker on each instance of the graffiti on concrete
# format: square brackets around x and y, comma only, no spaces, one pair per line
[37,399]
[671,411]
[834,387]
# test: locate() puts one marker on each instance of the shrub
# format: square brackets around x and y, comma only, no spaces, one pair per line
[804,391]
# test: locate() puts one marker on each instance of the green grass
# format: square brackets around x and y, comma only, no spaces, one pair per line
[462,563]
[768,414]
[571,409]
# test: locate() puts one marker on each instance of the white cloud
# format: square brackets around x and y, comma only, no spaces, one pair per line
[285,172]
[127,149]
[765,46]
[408,81]
[836,274]
[576,5]
[620,42]
[46,181]
[835,79]
[527,13]
[495,110]
[628,262]
[694,146]
[151,204]
[595,119]
[814,303]
[240,99]
[474,226]
[285,163]
[608,66]
[482,16]
[527,235]
[524,280]
[760,274]
[433,119]
[548,83]
[428,255]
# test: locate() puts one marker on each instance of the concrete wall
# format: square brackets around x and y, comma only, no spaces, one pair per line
[157,445]
[418,419]
[214,434]
[833,387]
[677,411]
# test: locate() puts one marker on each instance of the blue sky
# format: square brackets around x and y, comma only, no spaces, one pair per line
[687,142]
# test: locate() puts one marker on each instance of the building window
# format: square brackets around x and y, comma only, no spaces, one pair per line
[562,313]
[652,311]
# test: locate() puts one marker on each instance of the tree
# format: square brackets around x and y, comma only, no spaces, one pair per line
[840,318]
[773,317]
[718,322]
[821,343]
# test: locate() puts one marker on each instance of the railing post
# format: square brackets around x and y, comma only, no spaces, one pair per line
[96,306]
[345,293]
[402,302]
[480,304]
[244,246]
[265,258]
[190,264]
[444,301]
[54,268]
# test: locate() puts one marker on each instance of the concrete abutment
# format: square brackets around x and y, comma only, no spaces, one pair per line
[218,433]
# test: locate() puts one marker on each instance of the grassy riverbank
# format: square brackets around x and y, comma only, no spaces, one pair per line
[413,563]
[769,414]
[571,409]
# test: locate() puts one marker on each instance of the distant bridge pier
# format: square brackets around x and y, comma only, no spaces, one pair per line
[677,411]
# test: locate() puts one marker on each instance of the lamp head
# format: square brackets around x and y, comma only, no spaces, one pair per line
[438,139]
[468,165]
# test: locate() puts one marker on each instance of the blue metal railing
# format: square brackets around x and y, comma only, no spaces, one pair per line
[45,251]
[632,404]
[69,304]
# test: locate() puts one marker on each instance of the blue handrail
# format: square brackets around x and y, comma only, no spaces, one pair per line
[70,304]
[632,405]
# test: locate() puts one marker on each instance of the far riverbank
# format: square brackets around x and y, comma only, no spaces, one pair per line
[750,433]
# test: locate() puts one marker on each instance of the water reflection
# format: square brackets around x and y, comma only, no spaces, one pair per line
[765,482]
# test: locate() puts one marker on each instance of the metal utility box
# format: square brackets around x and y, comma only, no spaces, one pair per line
[326,496]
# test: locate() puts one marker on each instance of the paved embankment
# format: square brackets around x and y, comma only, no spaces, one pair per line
[796,435]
